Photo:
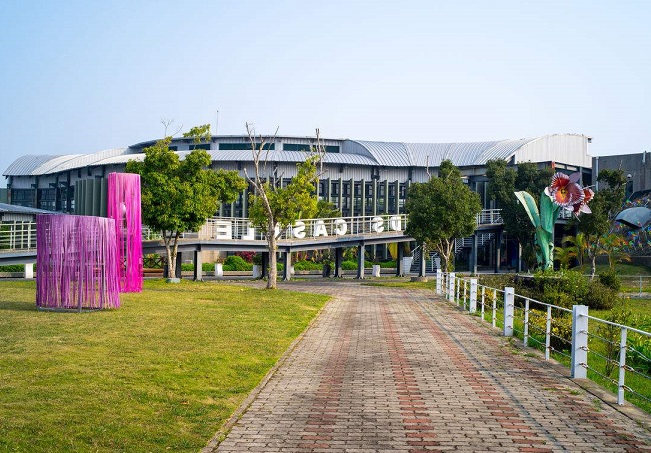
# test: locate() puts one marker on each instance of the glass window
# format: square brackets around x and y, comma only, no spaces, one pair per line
[244,146]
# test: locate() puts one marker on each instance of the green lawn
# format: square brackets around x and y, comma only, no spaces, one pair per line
[162,373]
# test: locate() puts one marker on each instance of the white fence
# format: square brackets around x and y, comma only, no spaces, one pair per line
[613,354]
[17,236]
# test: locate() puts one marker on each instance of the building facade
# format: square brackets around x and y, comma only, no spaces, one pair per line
[636,167]
[361,178]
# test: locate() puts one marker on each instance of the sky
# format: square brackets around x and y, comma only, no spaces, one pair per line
[84,76]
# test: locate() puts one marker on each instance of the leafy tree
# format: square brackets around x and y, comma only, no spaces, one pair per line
[179,195]
[605,206]
[272,207]
[504,181]
[441,210]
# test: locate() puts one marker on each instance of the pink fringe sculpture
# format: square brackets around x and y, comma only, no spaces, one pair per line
[124,207]
[76,262]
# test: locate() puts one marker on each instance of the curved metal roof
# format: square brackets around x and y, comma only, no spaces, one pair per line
[353,152]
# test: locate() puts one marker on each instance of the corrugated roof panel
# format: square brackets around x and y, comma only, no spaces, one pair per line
[85,160]
[502,150]
[289,156]
[389,154]
[26,165]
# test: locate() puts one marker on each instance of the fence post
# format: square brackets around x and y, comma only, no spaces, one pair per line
[473,295]
[548,333]
[622,367]
[451,285]
[483,302]
[439,281]
[509,298]
[458,288]
[579,365]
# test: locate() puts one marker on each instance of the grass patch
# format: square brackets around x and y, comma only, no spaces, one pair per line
[162,373]
[404,284]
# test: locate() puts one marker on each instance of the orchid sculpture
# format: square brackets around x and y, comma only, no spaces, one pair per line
[564,192]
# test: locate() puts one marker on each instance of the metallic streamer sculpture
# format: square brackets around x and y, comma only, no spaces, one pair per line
[564,192]
[76,262]
[123,205]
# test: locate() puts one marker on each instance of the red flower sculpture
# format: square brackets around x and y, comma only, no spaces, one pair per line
[565,192]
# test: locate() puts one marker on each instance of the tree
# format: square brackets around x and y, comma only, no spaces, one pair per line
[179,195]
[503,182]
[441,210]
[272,207]
[579,245]
[605,206]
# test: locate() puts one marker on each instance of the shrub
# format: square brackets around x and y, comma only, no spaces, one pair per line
[13,268]
[304,265]
[236,263]
[246,256]
[349,265]
[561,329]
[610,279]
[564,288]
[600,297]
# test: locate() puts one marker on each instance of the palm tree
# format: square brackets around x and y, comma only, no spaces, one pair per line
[564,255]
[580,245]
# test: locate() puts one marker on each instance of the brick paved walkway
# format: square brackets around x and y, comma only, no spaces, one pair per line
[400,370]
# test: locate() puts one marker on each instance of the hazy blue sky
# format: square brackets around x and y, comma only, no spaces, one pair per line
[83,76]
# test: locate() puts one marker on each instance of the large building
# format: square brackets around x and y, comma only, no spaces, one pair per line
[636,167]
[359,177]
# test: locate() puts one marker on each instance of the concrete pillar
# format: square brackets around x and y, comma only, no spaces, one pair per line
[360,262]
[579,360]
[219,270]
[339,258]
[452,282]
[473,295]
[287,273]
[423,261]
[509,304]
[198,264]
[498,251]
[439,281]
[400,266]
[29,270]
[473,254]
[179,261]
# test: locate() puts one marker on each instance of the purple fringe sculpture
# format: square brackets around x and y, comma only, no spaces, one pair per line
[124,207]
[76,262]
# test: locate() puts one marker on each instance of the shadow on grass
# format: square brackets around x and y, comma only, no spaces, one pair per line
[18,306]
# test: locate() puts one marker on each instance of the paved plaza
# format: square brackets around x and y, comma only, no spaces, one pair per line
[387,369]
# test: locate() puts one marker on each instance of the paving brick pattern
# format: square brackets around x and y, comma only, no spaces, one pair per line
[401,370]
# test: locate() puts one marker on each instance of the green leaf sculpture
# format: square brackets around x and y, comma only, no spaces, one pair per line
[562,192]
[544,224]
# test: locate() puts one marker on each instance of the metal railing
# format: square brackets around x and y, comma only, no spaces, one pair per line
[613,354]
[490,217]
[241,229]
[22,235]
[15,236]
